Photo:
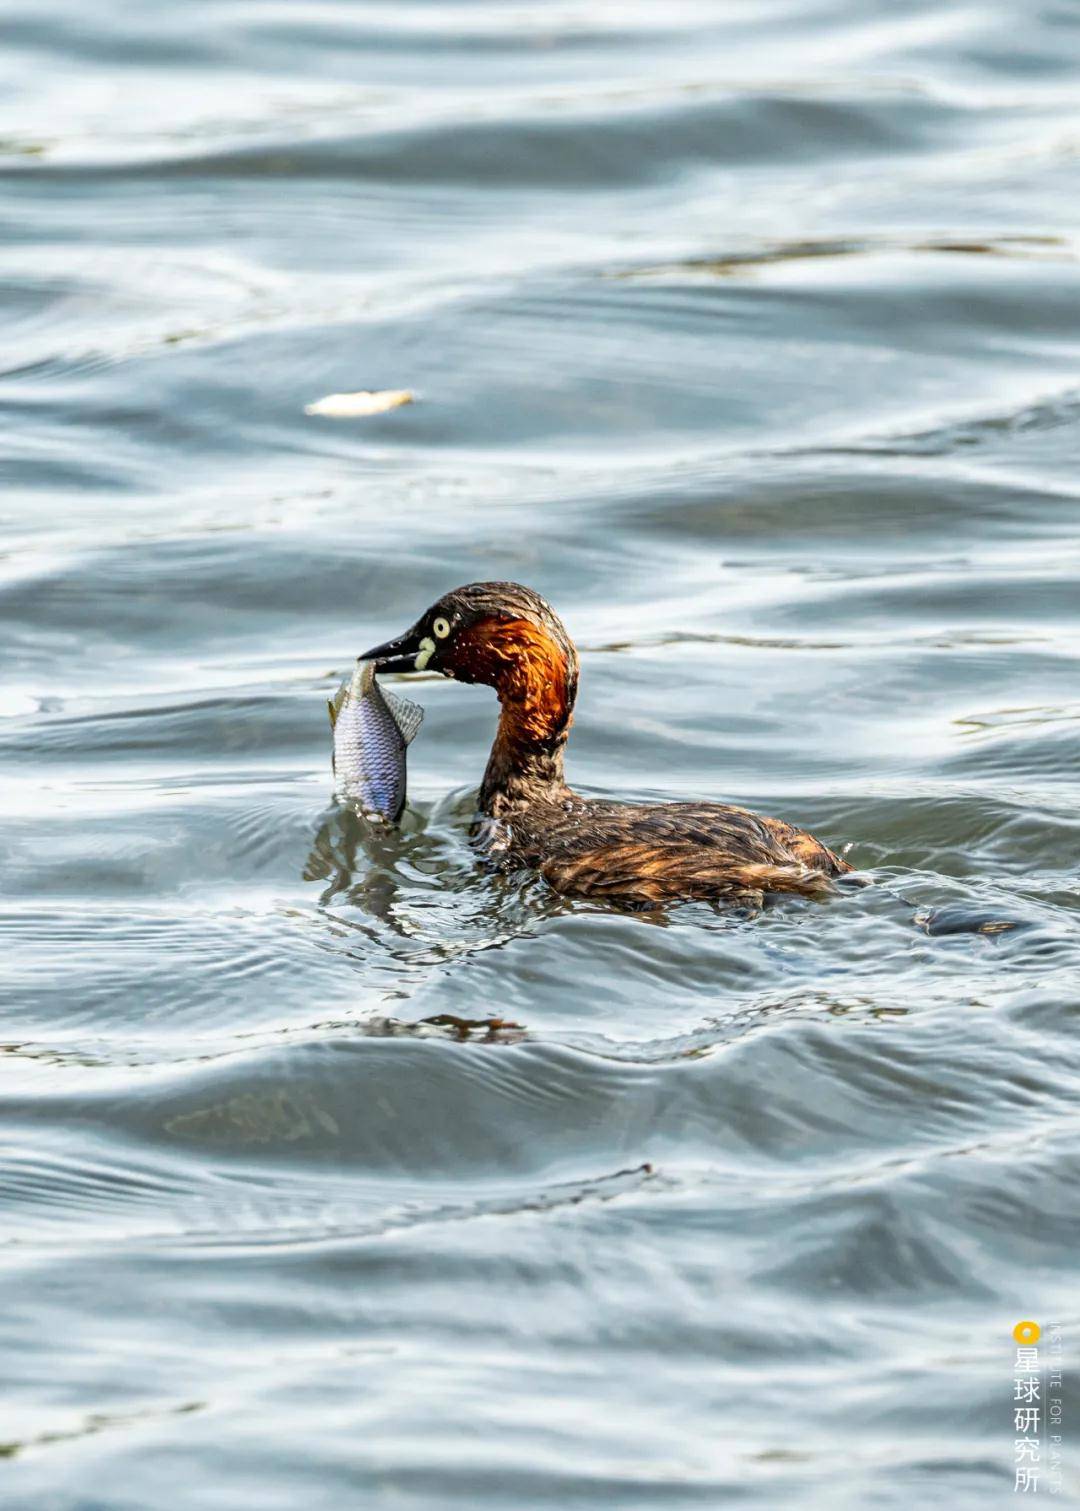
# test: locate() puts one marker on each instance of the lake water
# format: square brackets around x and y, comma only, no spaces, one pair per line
[747,333]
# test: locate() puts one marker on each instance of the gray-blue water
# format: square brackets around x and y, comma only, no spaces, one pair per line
[749,334]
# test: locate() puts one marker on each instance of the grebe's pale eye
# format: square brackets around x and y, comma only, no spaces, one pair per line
[441,628]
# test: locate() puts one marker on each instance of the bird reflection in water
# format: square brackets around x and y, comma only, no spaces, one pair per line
[343,837]
[360,861]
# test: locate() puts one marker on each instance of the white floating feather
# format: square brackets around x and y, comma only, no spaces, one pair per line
[345,406]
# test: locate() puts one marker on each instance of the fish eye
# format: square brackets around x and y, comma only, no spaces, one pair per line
[441,628]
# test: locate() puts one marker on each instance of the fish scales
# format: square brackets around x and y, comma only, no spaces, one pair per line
[372,730]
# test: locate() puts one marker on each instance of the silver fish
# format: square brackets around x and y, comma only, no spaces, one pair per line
[372,731]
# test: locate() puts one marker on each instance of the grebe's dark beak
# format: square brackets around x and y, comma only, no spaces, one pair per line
[398,655]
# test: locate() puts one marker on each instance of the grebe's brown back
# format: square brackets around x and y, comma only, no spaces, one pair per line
[505,635]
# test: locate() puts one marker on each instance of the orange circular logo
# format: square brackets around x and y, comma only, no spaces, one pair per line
[1027,1332]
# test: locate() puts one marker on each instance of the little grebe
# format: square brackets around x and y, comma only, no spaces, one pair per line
[642,854]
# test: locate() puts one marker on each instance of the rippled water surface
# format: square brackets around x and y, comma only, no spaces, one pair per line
[335,1171]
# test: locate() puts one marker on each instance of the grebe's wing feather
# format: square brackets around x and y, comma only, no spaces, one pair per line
[669,851]
[805,848]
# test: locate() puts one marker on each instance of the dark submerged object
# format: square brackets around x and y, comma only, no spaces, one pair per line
[959,918]
[642,854]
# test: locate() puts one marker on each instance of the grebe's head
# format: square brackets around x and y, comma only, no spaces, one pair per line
[499,633]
